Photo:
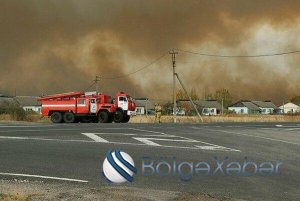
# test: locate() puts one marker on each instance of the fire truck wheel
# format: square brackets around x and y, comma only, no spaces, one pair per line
[126,119]
[119,116]
[103,117]
[110,118]
[69,117]
[56,117]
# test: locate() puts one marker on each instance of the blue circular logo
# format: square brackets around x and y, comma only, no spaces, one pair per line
[118,167]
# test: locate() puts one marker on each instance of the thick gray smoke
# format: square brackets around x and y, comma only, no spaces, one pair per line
[55,46]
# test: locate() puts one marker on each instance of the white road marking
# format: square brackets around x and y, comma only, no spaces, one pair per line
[149,141]
[43,130]
[121,143]
[42,139]
[215,148]
[171,140]
[94,137]
[42,177]
[24,126]
[255,136]
[146,141]
[133,134]
[115,134]
[136,129]
[288,126]
[293,129]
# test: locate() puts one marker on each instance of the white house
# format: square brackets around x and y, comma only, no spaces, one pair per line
[143,106]
[244,107]
[289,108]
[29,103]
[266,107]
[253,107]
[205,107]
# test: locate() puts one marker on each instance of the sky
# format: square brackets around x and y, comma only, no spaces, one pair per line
[55,46]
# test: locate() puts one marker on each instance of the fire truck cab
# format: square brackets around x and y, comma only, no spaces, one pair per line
[87,107]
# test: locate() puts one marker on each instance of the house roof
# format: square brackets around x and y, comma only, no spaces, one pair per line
[27,101]
[289,105]
[265,104]
[245,103]
[142,102]
[254,105]
[204,103]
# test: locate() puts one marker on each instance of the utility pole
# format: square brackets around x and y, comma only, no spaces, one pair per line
[173,53]
[186,92]
[283,107]
[96,82]
[146,106]
[222,106]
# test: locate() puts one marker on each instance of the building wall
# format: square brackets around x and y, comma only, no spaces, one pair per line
[209,111]
[267,110]
[140,110]
[239,110]
[32,108]
[289,108]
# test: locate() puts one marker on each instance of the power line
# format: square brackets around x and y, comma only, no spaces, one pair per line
[128,74]
[90,86]
[138,70]
[240,56]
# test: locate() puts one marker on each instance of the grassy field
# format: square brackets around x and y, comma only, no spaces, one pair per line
[225,118]
[180,119]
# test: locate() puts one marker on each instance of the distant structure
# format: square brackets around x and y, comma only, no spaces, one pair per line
[143,106]
[253,107]
[28,103]
[206,107]
[289,108]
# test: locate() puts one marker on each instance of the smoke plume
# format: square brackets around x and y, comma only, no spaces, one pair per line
[56,46]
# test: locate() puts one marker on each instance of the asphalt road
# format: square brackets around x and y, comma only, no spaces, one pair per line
[77,151]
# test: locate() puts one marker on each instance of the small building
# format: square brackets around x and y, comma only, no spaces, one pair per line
[266,107]
[253,107]
[29,103]
[143,106]
[244,107]
[205,107]
[289,108]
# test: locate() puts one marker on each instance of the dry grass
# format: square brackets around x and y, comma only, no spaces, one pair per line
[180,119]
[229,118]
[15,197]
[29,118]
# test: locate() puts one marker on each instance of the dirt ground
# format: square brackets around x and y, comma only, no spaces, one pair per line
[24,190]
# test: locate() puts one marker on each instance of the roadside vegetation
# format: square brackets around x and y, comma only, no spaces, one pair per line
[14,197]
[219,118]
[11,111]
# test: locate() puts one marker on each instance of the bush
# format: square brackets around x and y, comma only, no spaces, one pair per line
[13,109]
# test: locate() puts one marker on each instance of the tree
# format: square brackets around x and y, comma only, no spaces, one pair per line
[223,94]
[180,95]
[295,99]
[193,94]
[167,108]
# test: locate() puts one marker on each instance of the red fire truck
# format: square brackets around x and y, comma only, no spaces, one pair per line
[87,107]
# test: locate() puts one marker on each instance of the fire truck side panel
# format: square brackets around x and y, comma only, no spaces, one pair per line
[83,105]
[49,106]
